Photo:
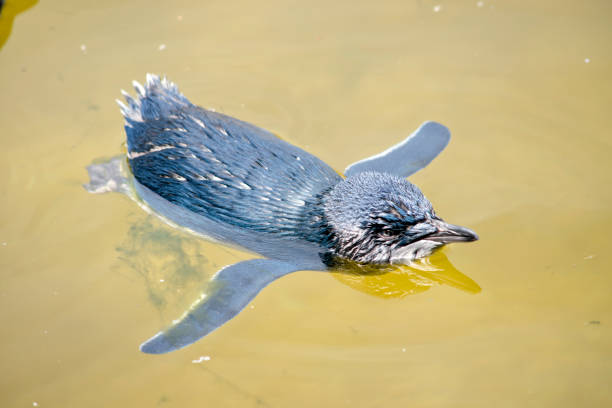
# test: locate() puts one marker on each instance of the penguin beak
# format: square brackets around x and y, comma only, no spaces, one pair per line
[447,233]
[434,234]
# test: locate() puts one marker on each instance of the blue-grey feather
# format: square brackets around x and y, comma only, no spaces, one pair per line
[221,167]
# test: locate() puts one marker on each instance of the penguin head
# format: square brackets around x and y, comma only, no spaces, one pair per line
[380,218]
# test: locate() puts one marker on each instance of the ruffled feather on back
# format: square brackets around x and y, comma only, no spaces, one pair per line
[220,167]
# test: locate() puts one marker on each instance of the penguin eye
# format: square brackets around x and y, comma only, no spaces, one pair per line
[387,233]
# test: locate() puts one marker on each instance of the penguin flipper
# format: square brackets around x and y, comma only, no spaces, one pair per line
[408,156]
[230,290]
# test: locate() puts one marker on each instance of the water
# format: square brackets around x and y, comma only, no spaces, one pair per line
[525,90]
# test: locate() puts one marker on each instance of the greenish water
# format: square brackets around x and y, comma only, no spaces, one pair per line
[525,318]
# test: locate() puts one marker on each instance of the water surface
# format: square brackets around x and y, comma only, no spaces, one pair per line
[526,91]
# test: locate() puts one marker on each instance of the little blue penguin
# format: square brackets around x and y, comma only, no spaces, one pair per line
[236,183]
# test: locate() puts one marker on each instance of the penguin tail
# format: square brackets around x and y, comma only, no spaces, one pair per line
[158,98]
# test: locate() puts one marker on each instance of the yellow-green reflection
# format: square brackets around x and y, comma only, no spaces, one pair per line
[397,281]
[10,9]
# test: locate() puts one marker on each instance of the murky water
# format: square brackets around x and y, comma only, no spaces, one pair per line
[523,319]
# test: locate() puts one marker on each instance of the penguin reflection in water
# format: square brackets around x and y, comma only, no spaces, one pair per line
[233,182]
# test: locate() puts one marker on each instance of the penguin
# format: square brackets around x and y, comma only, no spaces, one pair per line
[232,182]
